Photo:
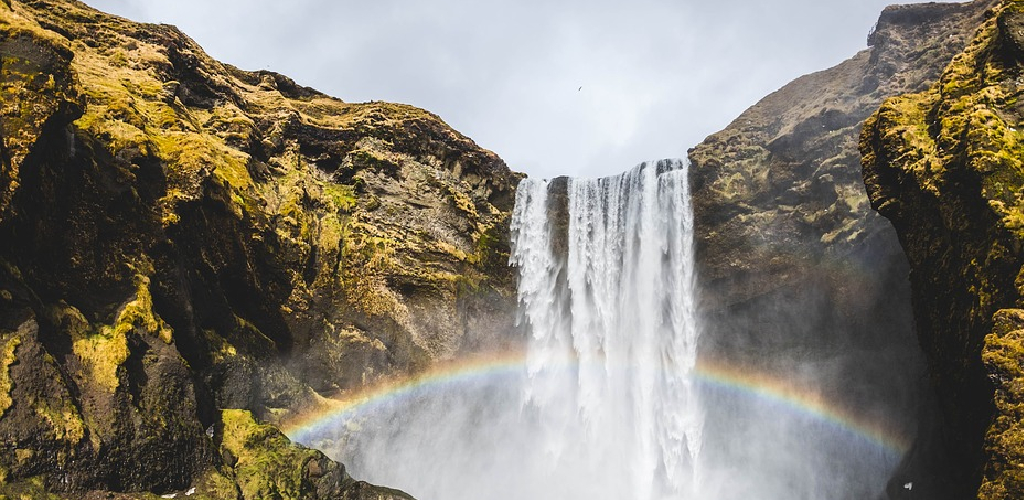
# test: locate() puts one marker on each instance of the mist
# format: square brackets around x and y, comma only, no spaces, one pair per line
[625,386]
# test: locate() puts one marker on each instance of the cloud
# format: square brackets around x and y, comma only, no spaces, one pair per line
[657,76]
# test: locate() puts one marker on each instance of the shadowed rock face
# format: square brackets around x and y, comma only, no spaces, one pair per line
[178,237]
[793,261]
[944,165]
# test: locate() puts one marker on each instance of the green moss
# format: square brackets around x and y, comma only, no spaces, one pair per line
[191,152]
[488,249]
[452,250]
[343,196]
[138,314]
[103,348]
[33,488]
[102,354]
[961,118]
[16,21]
[367,257]
[1003,355]
[268,465]
[244,329]
[127,109]
[468,284]
[904,122]
[221,349]
[7,358]
[66,422]
[119,58]
[214,485]
[328,112]
[460,200]
[375,159]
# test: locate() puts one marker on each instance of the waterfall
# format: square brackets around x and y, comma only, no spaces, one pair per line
[606,288]
[607,400]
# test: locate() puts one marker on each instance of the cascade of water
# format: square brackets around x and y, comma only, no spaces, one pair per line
[610,293]
[608,401]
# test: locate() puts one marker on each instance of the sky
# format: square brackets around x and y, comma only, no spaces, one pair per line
[575,87]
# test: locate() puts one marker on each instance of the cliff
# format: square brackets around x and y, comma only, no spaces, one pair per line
[945,166]
[184,245]
[797,272]
[190,252]
[778,194]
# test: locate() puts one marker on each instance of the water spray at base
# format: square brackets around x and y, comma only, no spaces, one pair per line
[608,399]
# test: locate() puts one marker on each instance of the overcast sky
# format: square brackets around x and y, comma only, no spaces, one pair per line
[584,88]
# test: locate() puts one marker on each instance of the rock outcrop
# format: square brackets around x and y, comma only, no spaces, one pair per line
[945,166]
[792,259]
[181,240]
[778,194]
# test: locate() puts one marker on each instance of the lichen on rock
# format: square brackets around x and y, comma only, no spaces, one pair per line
[177,235]
[944,165]
[7,358]
[265,464]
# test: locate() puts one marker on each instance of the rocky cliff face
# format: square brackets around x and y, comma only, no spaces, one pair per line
[792,259]
[179,237]
[945,166]
[780,188]
[188,249]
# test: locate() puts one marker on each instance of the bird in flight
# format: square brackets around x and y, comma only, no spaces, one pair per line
[579,89]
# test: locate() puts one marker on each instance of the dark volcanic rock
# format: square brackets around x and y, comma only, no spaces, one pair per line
[782,183]
[179,237]
[792,259]
[944,166]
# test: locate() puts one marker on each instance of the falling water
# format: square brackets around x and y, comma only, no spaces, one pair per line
[610,403]
[612,292]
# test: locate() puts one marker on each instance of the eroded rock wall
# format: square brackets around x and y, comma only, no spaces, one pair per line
[179,237]
[778,194]
[798,274]
[945,166]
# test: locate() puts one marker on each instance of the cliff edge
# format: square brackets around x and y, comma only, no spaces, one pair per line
[945,166]
[798,274]
[187,249]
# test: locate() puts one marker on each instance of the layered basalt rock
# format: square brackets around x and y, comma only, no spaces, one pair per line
[179,237]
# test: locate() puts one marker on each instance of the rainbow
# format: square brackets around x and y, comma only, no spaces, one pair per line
[717,374]
[783,392]
[439,376]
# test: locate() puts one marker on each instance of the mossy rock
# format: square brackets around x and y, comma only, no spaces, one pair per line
[174,232]
[265,464]
[945,166]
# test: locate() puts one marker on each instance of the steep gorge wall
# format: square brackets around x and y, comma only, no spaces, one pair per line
[796,269]
[180,238]
[945,166]
[779,193]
